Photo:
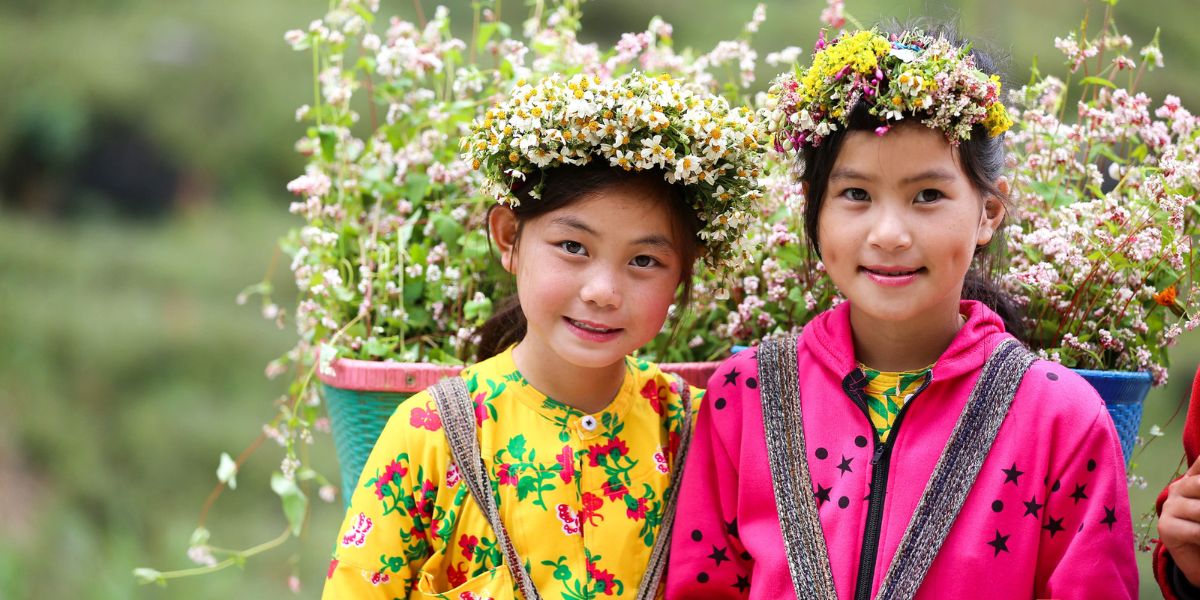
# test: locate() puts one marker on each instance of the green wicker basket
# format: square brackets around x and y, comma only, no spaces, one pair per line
[361,396]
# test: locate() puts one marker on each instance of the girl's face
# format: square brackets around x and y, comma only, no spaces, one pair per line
[899,225]
[594,278]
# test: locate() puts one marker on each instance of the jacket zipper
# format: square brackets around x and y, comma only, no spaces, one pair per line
[881,461]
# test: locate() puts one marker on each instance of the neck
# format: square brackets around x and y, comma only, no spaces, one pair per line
[588,390]
[902,345]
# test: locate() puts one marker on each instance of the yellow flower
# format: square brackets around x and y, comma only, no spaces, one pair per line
[997,120]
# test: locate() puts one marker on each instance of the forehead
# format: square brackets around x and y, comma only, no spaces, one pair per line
[903,152]
[622,211]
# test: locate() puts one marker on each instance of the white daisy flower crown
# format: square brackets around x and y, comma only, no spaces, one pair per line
[636,122]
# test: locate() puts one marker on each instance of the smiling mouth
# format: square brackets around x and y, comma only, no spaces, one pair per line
[592,327]
[892,271]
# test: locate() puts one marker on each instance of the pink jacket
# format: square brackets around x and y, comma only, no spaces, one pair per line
[1048,516]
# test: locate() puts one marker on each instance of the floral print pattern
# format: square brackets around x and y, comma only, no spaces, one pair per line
[582,499]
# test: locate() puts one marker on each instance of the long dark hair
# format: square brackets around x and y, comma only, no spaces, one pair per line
[566,185]
[981,158]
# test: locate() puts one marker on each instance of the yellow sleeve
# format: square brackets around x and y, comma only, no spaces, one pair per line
[387,534]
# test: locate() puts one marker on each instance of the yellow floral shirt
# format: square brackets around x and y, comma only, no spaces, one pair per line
[887,392]
[581,495]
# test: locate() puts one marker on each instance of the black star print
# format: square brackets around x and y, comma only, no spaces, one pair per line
[1054,526]
[844,466]
[718,555]
[731,377]
[732,529]
[1011,474]
[1000,544]
[1079,494]
[1110,517]
[1032,507]
[822,494]
[742,584]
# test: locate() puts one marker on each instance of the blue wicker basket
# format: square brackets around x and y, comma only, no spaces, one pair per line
[1123,393]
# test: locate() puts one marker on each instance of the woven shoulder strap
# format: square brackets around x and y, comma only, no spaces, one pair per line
[658,556]
[956,469]
[944,495]
[458,421]
[783,426]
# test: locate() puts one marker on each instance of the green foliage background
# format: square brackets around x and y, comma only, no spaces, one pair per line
[125,365]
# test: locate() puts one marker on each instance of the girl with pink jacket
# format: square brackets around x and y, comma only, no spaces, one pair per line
[905,445]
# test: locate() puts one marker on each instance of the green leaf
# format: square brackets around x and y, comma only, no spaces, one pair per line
[416,187]
[329,142]
[516,446]
[475,245]
[377,347]
[295,503]
[227,473]
[1094,80]
[448,230]
[478,311]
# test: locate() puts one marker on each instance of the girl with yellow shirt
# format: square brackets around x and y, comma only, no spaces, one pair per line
[608,193]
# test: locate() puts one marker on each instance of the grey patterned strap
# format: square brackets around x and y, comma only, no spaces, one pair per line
[956,469]
[458,421]
[658,556]
[783,425]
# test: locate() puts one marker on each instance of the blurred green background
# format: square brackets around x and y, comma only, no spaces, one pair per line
[144,149]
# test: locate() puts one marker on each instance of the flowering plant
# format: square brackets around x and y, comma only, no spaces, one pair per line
[1104,216]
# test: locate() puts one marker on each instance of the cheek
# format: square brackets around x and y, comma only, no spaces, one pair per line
[655,297]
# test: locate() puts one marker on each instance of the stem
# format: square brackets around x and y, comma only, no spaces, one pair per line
[420,13]
[237,558]
[220,487]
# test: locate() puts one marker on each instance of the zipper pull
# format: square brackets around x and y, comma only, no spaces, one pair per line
[878,455]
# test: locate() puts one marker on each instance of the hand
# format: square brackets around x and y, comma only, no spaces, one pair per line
[1179,524]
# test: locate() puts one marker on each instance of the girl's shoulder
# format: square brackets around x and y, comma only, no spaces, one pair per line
[1051,393]
[656,384]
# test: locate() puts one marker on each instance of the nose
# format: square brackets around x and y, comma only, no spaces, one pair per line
[890,230]
[601,288]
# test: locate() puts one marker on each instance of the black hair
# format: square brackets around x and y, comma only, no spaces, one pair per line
[981,158]
[566,185]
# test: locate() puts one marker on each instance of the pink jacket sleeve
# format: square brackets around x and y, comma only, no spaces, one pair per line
[1094,559]
[707,559]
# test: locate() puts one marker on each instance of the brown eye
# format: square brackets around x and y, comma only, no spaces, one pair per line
[929,195]
[856,194]
[643,261]
[573,248]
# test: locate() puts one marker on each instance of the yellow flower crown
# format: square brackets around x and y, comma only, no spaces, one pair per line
[636,122]
[909,74]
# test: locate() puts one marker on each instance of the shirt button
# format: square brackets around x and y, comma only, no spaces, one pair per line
[588,422]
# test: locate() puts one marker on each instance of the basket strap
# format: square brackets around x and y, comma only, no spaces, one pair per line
[956,469]
[658,556]
[783,426]
[458,421]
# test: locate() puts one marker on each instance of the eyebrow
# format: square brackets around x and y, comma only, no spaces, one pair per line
[930,175]
[653,240]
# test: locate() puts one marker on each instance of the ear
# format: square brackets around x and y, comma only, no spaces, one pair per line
[502,226]
[993,214]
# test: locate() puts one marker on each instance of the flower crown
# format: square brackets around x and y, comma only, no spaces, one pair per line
[636,122]
[912,73]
